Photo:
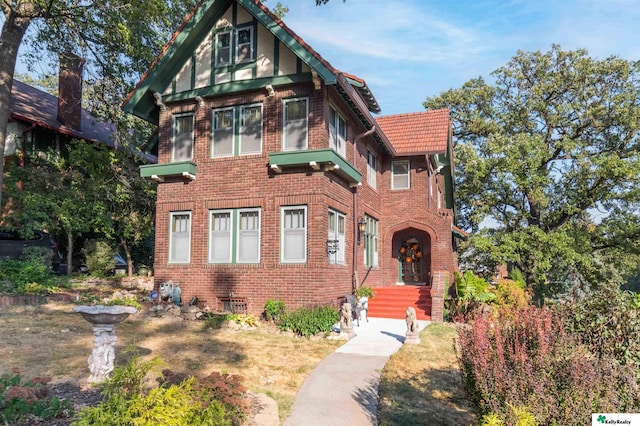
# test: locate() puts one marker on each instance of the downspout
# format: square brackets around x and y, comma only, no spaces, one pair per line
[354,271]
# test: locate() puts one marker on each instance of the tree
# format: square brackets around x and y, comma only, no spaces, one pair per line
[552,142]
[118,39]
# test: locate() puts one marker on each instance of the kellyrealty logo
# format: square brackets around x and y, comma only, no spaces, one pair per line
[615,419]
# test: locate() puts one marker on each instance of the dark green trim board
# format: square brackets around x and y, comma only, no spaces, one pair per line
[168,169]
[276,55]
[193,69]
[324,156]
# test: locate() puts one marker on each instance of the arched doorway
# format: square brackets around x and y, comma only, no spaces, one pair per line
[412,249]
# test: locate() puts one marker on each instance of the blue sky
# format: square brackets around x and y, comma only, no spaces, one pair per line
[410,49]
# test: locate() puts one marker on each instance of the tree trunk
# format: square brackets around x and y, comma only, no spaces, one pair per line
[13,31]
[69,253]
[127,253]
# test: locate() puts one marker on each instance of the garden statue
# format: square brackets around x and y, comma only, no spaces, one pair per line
[104,319]
[346,320]
[412,336]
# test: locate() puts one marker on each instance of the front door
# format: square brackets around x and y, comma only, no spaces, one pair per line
[411,261]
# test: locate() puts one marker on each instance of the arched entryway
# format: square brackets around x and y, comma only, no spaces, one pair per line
[412,249]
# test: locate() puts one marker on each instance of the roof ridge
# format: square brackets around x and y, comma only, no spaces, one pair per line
[407,114]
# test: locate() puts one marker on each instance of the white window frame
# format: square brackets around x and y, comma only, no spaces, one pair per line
[238,233]
[371,242]
[233,252]
[172,216]
[213,130]
[211,236]
[283,233]
[240,127]
[372,169]
[394,174]
[175,135]
[337,258]
[337,132]
[218,34]
[284,124]
[238,44]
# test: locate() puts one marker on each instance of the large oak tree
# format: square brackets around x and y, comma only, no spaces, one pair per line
[548,154]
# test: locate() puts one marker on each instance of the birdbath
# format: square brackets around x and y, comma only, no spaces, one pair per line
[104,319]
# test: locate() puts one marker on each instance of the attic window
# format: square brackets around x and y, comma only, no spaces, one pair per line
[244,44]
[223,48]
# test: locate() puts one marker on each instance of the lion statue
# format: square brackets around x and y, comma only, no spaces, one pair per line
[412,322]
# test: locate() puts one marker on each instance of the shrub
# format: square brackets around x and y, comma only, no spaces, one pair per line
[528,359]
[98,257]
[28,276]
[471,293]
[19,400]
[511,296]
[177,400]
[273,309]
[608,322]
[306,322]
[364,291]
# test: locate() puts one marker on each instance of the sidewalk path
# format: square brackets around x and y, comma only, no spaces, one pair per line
[343,388]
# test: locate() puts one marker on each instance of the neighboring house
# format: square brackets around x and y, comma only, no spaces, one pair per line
[276,181]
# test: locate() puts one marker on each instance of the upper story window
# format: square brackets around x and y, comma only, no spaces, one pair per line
[293,234]
[337,132]
[372,168]
[242,136]
[295,124]
[371,242]
[182,149]
[244,44]
[400,175]
[180,237]
[337,223]
[234,46]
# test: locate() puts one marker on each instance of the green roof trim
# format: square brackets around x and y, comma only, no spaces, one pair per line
[324,156]
[168,169]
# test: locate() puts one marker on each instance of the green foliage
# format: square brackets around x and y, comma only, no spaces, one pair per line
[29,276]
[472,292]
[608,322]
[510,296]
[273,309]
[364,291]
[213,321]
[127,301]
[520,417]
[31,398]
[98,256]
[306,322]
[554,136]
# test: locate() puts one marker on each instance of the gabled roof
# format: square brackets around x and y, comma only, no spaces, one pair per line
[193,30]
[40,108]
[425,132]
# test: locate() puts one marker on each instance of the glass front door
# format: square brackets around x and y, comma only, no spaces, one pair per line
[410,257]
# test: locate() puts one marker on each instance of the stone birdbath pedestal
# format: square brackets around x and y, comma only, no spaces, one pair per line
[104,319]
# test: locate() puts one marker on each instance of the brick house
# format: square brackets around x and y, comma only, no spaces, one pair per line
[276,181]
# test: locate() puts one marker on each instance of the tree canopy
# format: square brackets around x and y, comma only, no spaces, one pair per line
[549,154]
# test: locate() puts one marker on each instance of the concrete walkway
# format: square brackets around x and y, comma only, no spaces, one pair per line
[343,388]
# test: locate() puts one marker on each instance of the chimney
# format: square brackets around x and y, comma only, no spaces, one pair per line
[70,90]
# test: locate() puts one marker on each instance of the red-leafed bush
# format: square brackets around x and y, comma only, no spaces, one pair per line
[528,359]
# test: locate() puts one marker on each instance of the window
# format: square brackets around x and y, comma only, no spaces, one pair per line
[372,169]
[182,137]
[251,129]
[222,132]
[234,236]
[293,234]
[400,175]
[371,242]
[244,44]
[237,137]
[337,223]
[180,237]
[337,132]
[296,113]
[223,48]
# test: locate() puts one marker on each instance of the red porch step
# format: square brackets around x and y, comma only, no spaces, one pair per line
[392,302]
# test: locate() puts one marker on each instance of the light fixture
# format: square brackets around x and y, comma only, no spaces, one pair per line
[362,228]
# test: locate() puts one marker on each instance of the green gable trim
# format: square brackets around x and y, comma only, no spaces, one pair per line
[168,169]
[300,51]
[323,156]
[238,86]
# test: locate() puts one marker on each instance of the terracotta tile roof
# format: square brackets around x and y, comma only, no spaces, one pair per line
[417,133]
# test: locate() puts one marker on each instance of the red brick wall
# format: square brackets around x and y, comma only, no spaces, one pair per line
[247,181]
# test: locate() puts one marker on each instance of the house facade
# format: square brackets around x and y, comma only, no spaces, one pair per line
[276,180]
